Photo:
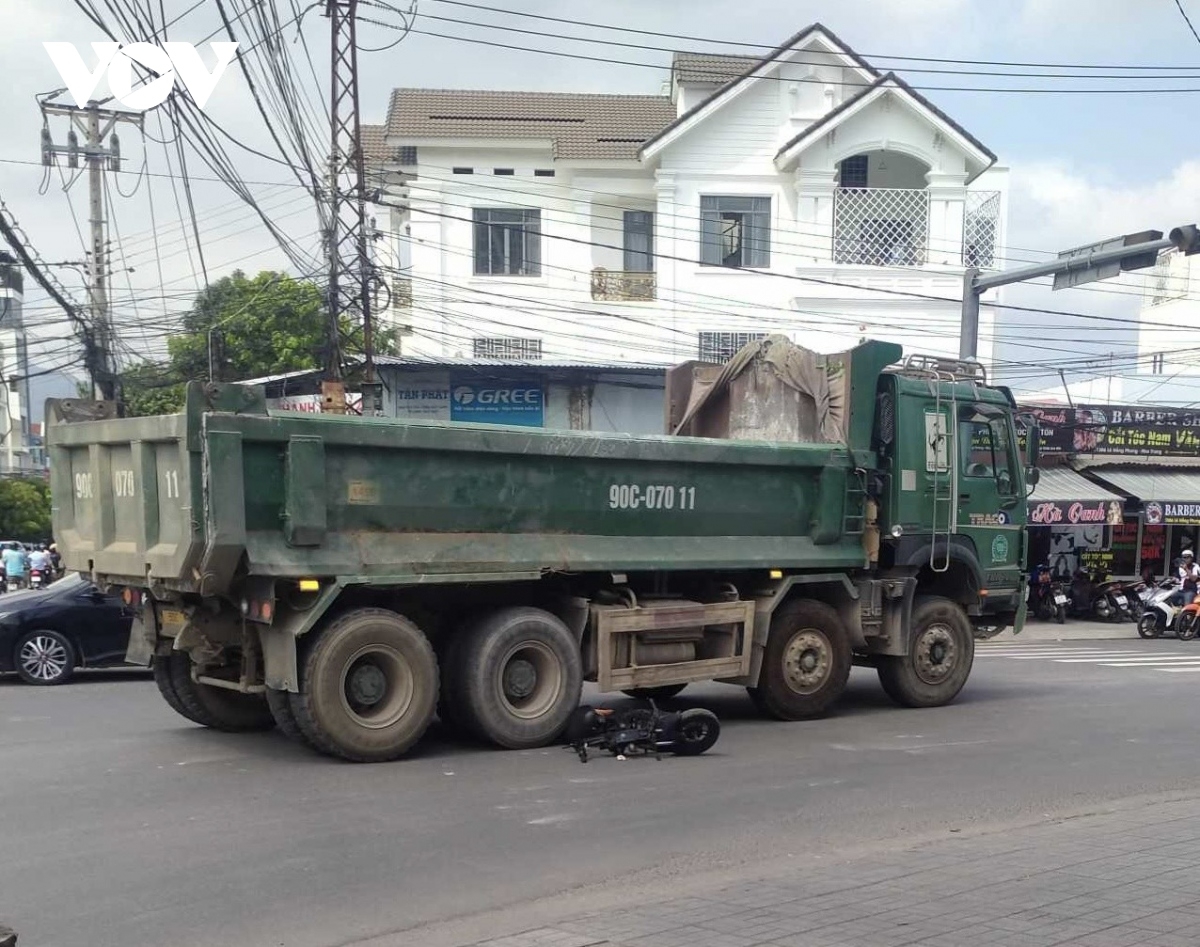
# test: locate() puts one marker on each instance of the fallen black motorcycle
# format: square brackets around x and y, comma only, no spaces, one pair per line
[640,731]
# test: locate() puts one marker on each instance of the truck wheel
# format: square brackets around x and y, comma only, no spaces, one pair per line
[664,692]
[369,686]
[166,686]
[520,677]
[939,660]
[285,720]
[216,707]
[806,663]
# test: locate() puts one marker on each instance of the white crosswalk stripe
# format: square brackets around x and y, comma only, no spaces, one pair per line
[1111,656]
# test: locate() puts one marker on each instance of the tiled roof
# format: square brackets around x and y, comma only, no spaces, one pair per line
[710,67]
[580,125]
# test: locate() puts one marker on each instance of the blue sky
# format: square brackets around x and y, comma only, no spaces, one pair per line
[1083,166]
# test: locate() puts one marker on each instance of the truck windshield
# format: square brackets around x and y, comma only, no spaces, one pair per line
[985,448]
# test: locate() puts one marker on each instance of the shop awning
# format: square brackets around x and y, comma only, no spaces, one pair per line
[1163,486]
[1063,485]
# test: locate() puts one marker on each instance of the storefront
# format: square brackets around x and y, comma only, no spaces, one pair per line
[1076,523]
[1141,462]
[1168,498]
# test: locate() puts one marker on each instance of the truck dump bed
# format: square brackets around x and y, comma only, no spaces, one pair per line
[190,501]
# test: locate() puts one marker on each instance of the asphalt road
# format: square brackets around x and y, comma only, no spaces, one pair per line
[122,824]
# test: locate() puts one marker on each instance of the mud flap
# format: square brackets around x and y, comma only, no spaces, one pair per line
[143,637]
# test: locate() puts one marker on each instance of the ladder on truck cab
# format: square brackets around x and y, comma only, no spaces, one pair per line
[944,476]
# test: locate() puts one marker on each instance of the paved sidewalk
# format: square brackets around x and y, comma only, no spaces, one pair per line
[1116,879]
[1071,631]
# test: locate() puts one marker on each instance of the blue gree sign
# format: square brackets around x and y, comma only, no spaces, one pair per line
[521,404]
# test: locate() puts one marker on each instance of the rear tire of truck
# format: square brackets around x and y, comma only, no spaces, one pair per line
[166,686]
[519,676]
[369,687]
[939,659]
[281,709]
[216,707]
[664,692]
[806,662]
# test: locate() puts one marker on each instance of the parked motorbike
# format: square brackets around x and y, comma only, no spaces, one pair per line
[1048,598]
[1112,601]
[641,731]
[1162,611]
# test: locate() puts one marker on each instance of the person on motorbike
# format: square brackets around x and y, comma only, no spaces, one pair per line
[39,560]
[16,563]
[55,559]
[1189,579]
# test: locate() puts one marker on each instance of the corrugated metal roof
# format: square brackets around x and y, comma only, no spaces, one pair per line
[580,125]
[1063,485]
[400,361]
[1165,486]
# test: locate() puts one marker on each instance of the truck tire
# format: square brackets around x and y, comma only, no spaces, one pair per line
[166,686]
[285,720]
[520,676]
[806,662]
[216,707]
[663,692]
[368,687]
[939,660]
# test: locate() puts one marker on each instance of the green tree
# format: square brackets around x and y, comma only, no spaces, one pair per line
[267,325]
[24,509]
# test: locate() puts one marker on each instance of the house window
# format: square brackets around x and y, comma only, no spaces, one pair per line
[502,171]
[508,242]
[462,170]
[722,346]
[735,231]
[511,349]
[543,172]
[1158,362]
[854,171]
[639,241]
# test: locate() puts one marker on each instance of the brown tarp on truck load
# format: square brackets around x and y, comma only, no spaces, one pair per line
[771,390]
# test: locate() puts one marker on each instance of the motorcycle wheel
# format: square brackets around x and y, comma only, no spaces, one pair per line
[1060,615]
[1104,611]
[1185,628]
[1148,626]
[697,731]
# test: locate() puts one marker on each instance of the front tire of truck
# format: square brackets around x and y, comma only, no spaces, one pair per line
[519,676]
[806,662]
[216,707]
[369,687]
[939,659]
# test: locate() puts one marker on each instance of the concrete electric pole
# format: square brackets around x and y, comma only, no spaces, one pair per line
[96,124]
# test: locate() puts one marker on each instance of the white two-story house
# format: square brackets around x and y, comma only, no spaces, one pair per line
[803,192]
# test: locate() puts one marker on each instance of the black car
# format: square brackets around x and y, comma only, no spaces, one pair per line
[46,634]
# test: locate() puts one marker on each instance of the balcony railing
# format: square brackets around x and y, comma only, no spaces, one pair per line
[881,226]
[619,286]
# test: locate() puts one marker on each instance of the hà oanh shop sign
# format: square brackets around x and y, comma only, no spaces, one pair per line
[1075,513]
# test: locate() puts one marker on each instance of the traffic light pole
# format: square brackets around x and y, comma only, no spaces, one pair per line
[975,285]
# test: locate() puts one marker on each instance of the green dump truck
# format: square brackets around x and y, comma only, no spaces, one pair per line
[348,578]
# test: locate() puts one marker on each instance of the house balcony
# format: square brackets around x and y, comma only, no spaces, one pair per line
[402,297]
[622,287]
[890,226]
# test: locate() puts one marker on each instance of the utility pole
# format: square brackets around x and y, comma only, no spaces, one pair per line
[96,124]
[346,241]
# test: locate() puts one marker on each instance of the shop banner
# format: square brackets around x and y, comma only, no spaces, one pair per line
[1114,429]
[311,404]
[1075,512]
[1171,514]
[521,403]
